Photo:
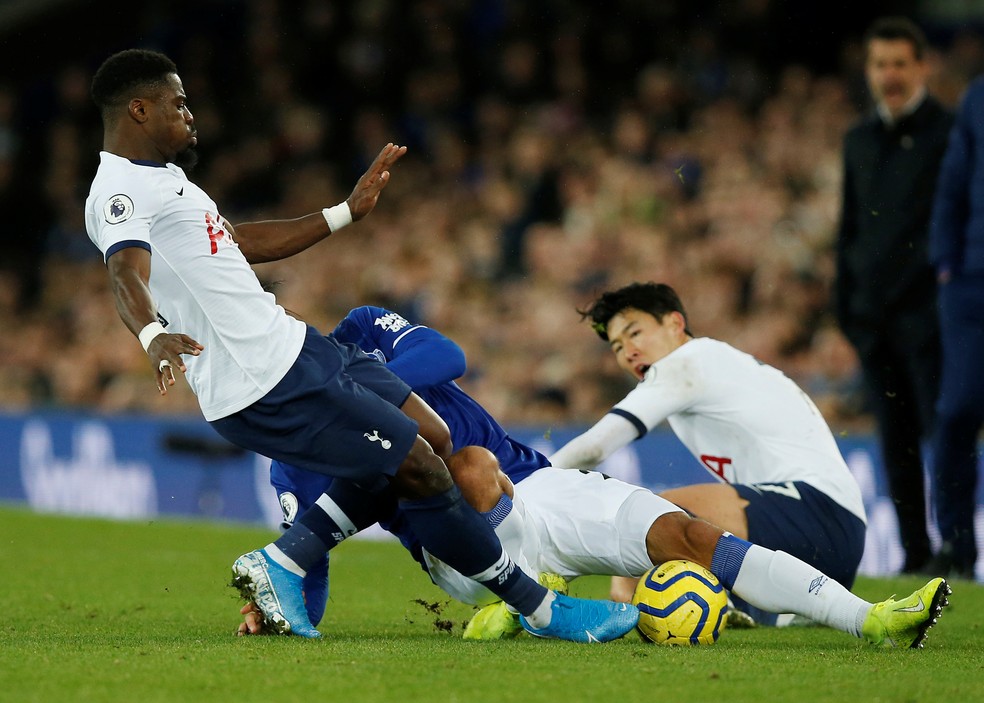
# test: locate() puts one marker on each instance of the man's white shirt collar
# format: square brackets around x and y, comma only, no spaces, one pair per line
[914,102]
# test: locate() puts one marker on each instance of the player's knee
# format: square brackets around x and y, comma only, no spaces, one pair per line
[422,472]
[477,473]
[679,536]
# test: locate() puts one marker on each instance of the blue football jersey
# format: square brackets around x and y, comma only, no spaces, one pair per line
[428,362]
[393,339]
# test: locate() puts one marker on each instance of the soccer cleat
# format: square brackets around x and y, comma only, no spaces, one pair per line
[497,622]
[738,620]
[904,623]
[493,622]
[275,591]
[580,620]
[555,582]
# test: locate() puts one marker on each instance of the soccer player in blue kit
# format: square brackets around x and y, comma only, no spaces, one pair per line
[267,382]
[565,522]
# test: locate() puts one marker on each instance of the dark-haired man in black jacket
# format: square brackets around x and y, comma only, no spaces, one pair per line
[886,289]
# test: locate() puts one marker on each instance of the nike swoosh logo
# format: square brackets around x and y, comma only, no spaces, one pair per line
[914,608]
[181,192]
[591,638]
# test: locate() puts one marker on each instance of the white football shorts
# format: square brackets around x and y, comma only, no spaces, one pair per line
[571,523]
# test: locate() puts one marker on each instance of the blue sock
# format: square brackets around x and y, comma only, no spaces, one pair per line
[454,532]
[496,515]
[729,553]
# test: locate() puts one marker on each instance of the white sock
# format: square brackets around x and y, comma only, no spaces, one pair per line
[781,583]
[540,617]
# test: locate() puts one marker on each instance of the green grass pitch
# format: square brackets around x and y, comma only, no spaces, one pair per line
[99,610]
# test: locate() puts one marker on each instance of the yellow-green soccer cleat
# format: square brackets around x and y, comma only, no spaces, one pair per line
[497,622]
[493,622]
[904,623]
[555,582]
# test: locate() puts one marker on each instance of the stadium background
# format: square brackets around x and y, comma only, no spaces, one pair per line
[556,148]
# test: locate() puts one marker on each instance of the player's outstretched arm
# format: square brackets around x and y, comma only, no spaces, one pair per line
[129,272]
[589,449]
[272,240]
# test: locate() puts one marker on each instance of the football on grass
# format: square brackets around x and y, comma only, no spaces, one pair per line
[681,603]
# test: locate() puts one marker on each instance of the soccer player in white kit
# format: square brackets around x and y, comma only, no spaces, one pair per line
[778,478]
[265,380]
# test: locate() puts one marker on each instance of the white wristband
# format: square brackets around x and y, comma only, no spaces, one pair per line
[337,216]
[148,333]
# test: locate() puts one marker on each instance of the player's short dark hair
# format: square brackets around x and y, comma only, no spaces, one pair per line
[658,299]
[890,28]
[127,71]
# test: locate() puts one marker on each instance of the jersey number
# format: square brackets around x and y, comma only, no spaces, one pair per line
[787,489]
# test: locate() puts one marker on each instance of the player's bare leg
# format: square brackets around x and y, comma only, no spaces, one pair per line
[717,503]
[479,478]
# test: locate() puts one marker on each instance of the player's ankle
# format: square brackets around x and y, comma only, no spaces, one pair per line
[540,618]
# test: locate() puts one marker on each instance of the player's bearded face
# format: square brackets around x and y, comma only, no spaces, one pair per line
[176,131]
[186,158]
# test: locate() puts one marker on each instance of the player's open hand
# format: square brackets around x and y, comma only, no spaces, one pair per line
[366,192]
[165,352]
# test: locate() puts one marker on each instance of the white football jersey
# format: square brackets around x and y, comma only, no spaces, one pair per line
[202,284]
[745,421]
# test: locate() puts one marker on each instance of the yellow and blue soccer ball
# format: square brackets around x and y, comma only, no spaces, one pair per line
[681,603]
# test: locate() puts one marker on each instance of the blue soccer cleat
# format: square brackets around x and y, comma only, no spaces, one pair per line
[275,591]
[581,620]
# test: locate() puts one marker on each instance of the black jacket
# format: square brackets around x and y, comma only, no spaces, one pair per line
[882,247]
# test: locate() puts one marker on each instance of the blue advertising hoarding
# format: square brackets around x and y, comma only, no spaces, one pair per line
[136,468]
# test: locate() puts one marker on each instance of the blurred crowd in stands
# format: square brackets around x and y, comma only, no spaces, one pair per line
[555,150]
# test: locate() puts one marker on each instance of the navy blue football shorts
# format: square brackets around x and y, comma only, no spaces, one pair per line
[796,518]
[337,412]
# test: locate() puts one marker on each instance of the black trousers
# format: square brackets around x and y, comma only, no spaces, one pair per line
[900,360]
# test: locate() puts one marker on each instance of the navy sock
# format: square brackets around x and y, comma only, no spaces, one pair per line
[302,544]
[454,532]
[729,553]
[337,515]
